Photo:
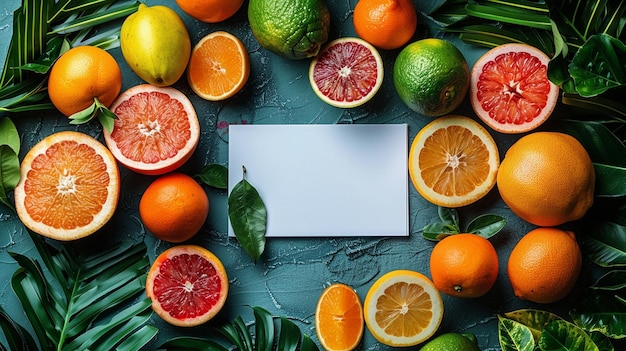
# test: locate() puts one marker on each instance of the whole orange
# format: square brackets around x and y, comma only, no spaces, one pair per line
[464,265]
[82,74]
[547,179]
[386,24]
[210,11]
[174,207]
[544,265]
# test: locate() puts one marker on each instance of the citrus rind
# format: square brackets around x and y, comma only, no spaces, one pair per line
[215,66]
[529,102]
[77,184]
[140,129]
[425,302]
[419,148]
[159,305]
[342,71]
[351,297]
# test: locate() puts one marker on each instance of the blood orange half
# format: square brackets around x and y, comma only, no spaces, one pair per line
[187,284]
[510,90]
[69,186]
[347,72]
[156,130]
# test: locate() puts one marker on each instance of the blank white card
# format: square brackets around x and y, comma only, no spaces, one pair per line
[325,180]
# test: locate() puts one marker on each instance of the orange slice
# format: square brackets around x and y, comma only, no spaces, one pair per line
[69,186]
[156,130]
[188,285]
[453,161]
[339,318]
[403,308]
[219,66]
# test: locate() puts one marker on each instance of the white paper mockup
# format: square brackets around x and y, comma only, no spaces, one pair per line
[325,180]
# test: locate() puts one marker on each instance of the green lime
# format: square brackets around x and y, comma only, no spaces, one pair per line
[294,29]
[431,76]
[452,342]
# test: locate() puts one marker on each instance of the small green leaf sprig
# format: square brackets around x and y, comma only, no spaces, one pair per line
[246,209]
[486,225]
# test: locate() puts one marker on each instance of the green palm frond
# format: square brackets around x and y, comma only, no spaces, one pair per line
[81,302]
[236,335]
[42,30]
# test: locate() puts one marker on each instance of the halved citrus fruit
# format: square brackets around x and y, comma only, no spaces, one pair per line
[339,318]
[69,186]
[156,130]
[453,161]
[510,90]
[219,66]
[403,308]
[188,285]
[346,73]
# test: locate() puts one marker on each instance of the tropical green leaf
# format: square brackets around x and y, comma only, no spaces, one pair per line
[72,313]
[601,144]
[612,280]
[9,173]
[596,105]
[239,336]
[535,320]
[601,311]
[264,329]
[17,336]
[514,336]
[188,343]
[606,246]
[9,135]
[599,65]
[449,216]
[438,231]
[248,217]
[486,225]
[214,175]
[510,14]
[565,336]
[610,180]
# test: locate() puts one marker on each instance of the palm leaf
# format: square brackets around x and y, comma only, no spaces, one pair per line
[236,335]
[83,301]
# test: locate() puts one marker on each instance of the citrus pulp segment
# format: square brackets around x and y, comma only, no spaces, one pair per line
[510,90]
[339,318]
[69,186]
[188,285]
[156,130]
[403,308]
[347,72]
[219,66]
[453,161]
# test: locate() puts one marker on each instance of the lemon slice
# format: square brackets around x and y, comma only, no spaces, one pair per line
[403,308]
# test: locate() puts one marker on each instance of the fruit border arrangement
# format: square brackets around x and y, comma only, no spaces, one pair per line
[560,177]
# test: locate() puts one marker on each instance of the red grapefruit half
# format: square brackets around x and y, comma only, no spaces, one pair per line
[187,285]
[156,130]
[346,73]
[510,90]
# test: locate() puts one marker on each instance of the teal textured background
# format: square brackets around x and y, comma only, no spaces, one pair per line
[292,273]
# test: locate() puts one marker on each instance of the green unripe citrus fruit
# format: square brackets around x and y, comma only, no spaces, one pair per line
[452,342]
[294,29]
[431,76]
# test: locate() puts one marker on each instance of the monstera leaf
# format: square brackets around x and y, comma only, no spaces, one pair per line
[81,301]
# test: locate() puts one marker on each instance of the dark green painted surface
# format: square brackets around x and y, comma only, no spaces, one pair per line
[293,272]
